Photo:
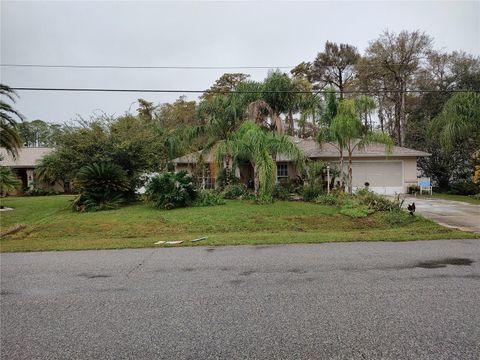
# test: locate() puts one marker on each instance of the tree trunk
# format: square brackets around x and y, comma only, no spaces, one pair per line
[256,180]
[290,122]
[228,169]
[350,177]
[402,114]
[341,168]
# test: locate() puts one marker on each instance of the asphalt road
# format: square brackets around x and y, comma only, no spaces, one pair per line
[411,300]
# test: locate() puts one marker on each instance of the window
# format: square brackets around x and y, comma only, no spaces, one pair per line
[282,171]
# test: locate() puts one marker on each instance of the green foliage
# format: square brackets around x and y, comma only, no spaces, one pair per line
[377,202]
[353,208]
[9,135]
[171,190]
[311,192]
[283,191]
[397,218]
[208,198]
[35,191]
[8,180]
[254,144]
[236,191]
[39,133]
[329,199]
[102,186]
[464,187]
[225,178]
[413,189]
[48,169]
[459,120]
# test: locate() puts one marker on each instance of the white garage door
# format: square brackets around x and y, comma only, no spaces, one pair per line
[384,177]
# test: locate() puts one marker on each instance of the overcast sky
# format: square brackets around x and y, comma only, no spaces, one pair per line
[192,34]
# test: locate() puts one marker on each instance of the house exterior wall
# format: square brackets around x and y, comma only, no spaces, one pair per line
[395,167]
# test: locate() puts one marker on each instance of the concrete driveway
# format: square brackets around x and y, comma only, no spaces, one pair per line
[457,214]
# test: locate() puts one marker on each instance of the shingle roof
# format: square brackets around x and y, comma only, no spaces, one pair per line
[313,150]
[27,157]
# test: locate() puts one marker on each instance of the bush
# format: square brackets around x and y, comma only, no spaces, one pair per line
[225,178]
[171,190]
[377,202]
[311,192]
[476,196]
[464,187]
[413,189]
[283,189]
[354,209]
[329,199]
[238,191]
[208,198]
[102,186]
[34,191]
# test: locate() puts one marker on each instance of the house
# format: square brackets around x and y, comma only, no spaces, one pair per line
[24,166]
[385,173]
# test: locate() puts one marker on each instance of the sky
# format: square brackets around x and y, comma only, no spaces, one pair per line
[154,33]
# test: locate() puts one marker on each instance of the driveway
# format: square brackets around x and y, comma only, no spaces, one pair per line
[404,300]
[450,213]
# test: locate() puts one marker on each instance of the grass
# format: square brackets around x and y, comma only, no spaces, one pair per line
[52,226]
[464,198]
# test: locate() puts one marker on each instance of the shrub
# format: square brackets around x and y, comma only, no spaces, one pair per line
[225,178]
[102,186]
[8,180]
[208,198]
[283,189]
[35,191]
[329,199]
[171,190]
[311,192]
[464,187]
[476,196]
[354,209]
[413,189]
[377,202]
[236,191]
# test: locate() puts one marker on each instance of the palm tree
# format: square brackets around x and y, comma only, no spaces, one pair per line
[346,129]
[8,180]
[9,135]
[253,143]
[459,120]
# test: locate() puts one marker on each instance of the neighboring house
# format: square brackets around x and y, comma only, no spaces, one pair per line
[386,174]
[24,166]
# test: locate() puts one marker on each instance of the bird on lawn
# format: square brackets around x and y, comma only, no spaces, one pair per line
[411,208]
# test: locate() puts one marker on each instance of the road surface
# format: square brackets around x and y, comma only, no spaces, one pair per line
[404,300]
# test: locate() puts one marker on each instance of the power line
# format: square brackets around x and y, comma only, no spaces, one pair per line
[186,91]
[77,66]
[145,67]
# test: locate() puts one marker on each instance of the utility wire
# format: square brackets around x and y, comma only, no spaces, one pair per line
[73,66]
[235,91]
[145,67]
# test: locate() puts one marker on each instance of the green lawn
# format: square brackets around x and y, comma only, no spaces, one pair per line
[464,198]
[51,226]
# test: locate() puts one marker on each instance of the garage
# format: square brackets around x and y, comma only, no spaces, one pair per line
[384,177]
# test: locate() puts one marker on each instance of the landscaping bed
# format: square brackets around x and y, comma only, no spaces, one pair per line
[51,225]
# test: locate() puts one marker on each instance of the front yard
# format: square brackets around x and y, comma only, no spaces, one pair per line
[51,226]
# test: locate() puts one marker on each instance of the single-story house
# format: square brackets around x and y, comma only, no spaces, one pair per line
[24,165]
[386,173]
